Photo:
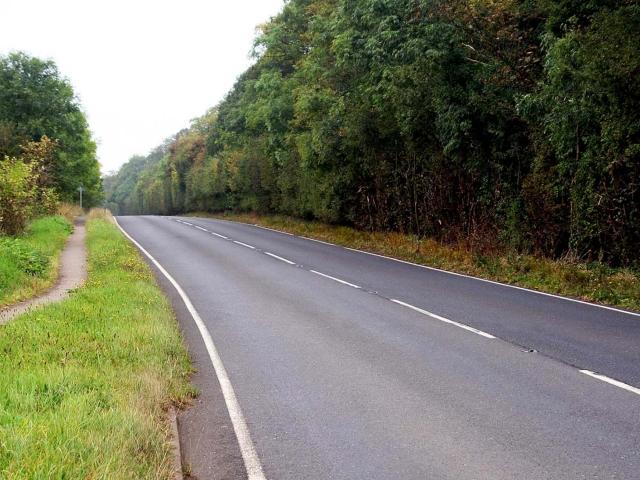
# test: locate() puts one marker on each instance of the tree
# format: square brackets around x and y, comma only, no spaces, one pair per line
[35,101]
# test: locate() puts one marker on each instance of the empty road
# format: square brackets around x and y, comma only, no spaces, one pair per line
[319,362]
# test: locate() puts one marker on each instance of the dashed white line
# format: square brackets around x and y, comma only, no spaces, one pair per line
[244,245]
[443,319]
[335,279]
[247,449]
[611,381]
[218,235]
[200,228]
[280,258]
[187,223]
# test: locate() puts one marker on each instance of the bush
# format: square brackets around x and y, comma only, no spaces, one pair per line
[30,261]
[24,187]
[17,194]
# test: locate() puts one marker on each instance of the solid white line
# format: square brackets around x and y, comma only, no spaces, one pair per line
[200,228]
[218,235]
[280,258]
[617,383]
[560,297]
[247,449]
[443,319]
[272,229]
[244,245]
[334,279]
[318,241]
[575,300]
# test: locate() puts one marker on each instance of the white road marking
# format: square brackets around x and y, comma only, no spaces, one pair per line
[443,319]
[187,223]
[272,229]
[335,279]
[280,258]
[318,241]
[200,228]
[575,300]
[218,235]
[617,383]
[247,449]
[244,245]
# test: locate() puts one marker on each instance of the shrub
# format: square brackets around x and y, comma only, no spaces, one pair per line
[17,194]
[28,260]
[24,186]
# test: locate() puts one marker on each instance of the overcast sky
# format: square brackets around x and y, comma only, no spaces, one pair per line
[141,68]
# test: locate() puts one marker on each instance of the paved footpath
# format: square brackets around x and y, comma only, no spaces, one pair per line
[72,274]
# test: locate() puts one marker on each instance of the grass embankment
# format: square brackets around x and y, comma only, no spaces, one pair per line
[84,383]
[588,281]
[29,262]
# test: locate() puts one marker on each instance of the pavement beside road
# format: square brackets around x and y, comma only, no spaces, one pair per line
[71,275]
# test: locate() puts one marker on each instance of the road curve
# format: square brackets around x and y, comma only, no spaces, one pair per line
[351,366]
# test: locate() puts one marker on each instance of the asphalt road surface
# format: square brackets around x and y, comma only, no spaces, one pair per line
[337,364]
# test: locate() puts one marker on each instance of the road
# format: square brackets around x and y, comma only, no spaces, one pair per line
[345,365]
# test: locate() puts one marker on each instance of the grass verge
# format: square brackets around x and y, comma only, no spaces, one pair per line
[587,281]
[29,262]
[84,383]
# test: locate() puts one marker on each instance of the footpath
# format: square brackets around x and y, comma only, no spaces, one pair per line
[72,274]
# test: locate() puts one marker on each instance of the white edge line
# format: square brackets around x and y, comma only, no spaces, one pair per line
[569,299]
[280,258]
[553,295]
[247,449]
[318,241]
[271,229]
[611,381]
[443,319]
[244,245]
[334,279]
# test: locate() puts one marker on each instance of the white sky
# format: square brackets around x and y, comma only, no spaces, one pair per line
[141,68]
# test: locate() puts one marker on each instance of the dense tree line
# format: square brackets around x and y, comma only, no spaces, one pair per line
[509,123]
[39,112]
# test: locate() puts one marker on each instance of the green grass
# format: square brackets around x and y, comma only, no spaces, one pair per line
[587,281]
[85,383]
[29,262]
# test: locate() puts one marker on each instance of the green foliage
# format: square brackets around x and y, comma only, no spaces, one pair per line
[509,124]
[35,101]
[589,113]
[28,262]
[24,190]
[84,383]
[31,262]
[17,194]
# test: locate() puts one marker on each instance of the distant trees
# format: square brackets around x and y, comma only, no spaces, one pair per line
[35,101]
[506,124]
